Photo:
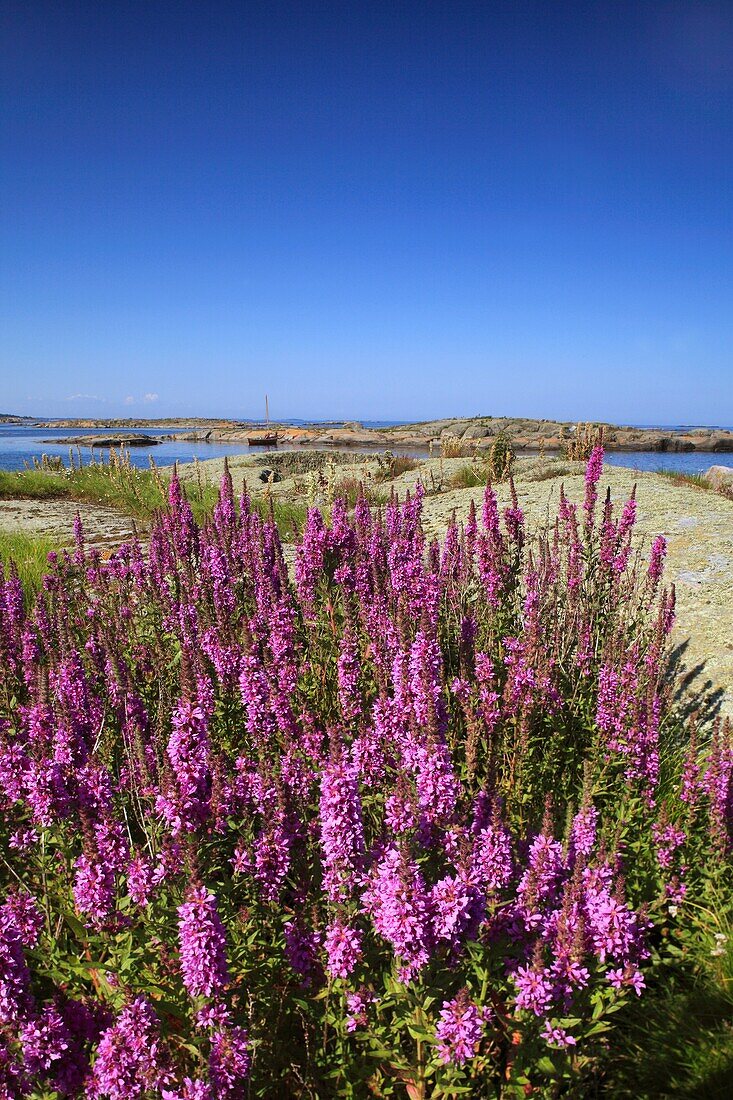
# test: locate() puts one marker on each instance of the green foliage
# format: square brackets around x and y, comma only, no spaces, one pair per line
[29,554]
[392,465]
[138,492]
[501,457]
[678,477]
[472,475]
[116,484]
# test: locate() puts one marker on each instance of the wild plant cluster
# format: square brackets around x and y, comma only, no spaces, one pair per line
[391,818]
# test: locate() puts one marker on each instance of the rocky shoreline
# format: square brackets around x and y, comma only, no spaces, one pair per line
[120,440]
[479,433]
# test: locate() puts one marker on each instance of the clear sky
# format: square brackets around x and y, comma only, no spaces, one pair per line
[384,210]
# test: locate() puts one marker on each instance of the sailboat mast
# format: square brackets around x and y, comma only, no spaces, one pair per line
[267,411]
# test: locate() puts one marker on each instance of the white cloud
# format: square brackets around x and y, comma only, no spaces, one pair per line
[84,397]
[149,397]
[129,400]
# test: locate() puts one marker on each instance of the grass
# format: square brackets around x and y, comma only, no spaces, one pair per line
[677,1041]
[391,466]
[289,515]
[30,555]
[554,468]
[452,447]
[135,491]
[351,488]
[696,481]
[469,476]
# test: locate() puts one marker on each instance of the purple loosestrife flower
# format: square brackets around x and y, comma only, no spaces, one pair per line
[140,880]
[341,828]
[534,986]
[272,851]
[668,838]
[130,1060]
[514,519]
[656,560]
[583,832]
[94,889]
[541,882]
[623,535]
[180,522]
[627,977]
[593,472]
[45,1040]
[613,927]
[23,840]
[188,751]
[229,1062]
[492,864]
[450,563]
[15,995]
[82,1029]
[14,768]
[213,1017]
[438,787]
[348,671]
[491,569]
[301,949]
[310,559]
[399,812]
[358,1005]
[459,907]
[343,948]
[21,911]
[718,786]
[556,1036]
[112,844]
[401,910]
[460,1029]
[225,513]
[255,691]
[14,1083]
[202,942]
[191,1090]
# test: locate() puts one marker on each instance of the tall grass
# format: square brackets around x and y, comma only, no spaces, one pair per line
[138,492]
[696,481]
[29,553]
[116,484]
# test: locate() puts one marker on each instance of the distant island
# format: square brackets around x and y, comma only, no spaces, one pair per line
[526,434]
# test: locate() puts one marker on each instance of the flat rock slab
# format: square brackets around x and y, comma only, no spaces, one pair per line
[103,527]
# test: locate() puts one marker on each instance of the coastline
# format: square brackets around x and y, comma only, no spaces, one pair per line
[527,435]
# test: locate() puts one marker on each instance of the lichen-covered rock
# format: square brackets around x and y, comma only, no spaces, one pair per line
[720,477]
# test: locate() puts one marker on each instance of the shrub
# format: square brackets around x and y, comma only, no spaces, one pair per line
[501,457]
[392,465]
[586,437]
[453,447]
[412,823]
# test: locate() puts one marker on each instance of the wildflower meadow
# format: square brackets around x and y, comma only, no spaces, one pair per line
[369,816]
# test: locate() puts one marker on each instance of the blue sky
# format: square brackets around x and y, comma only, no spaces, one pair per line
[380,210]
